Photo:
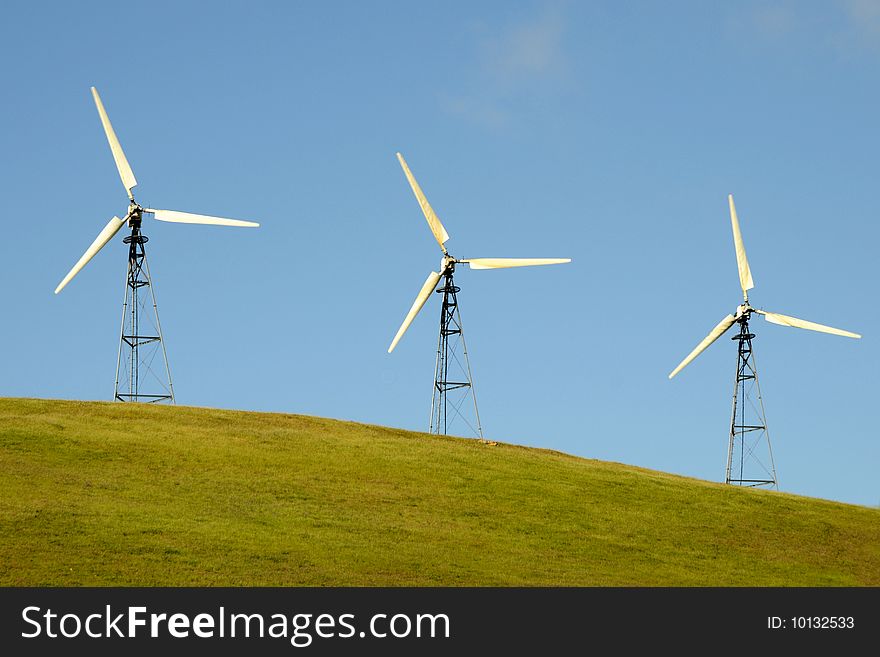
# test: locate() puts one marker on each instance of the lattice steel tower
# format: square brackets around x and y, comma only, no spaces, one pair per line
[443,405]
[140,335]
[748,462]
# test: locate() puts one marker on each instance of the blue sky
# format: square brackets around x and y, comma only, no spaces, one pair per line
[607,132]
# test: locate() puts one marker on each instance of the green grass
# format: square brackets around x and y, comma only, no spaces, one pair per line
[118,494]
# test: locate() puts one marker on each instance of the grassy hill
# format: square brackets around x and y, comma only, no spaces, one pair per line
[117,494]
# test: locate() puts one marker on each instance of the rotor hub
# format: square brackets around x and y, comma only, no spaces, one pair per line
[744,310]
[135,214]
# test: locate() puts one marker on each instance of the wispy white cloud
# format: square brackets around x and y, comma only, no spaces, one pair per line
[487,112]
[864,16]
[511,63]
[847,26]
[526,52]
[775,21]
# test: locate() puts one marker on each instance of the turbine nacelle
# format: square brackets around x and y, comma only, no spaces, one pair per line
[135,214]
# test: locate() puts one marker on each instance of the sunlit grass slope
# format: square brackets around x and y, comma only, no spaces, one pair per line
[117,494]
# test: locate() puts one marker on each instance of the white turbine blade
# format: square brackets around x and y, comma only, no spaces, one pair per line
[125,172]
[503,263]
[434,223]
[785,320]
[103,237]
[424,293]
[189,218]
[742,263]
[714,334]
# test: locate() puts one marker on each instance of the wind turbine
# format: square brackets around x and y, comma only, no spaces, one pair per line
[132,336]
[747,433]
[451,332]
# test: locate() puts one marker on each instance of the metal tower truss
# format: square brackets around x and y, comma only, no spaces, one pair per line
[142,372]
[453,393]
[749,455]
